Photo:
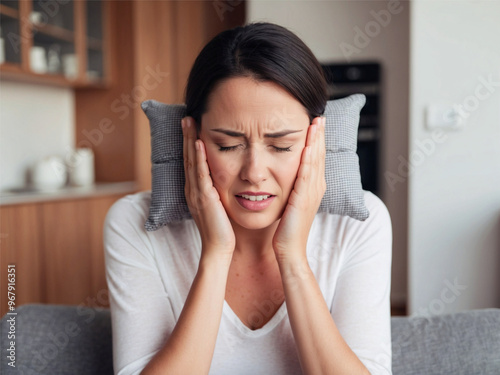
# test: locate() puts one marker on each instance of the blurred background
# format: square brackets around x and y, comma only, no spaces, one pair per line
[73,138]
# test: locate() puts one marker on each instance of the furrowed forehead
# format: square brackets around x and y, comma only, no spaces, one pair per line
[240,102]
[238,134]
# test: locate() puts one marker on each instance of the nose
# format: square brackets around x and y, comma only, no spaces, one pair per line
[254,168]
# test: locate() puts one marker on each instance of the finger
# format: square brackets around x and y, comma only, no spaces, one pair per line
[311,171]
[319,142]
[304,171]
[190,160]
[311,131]
[184,149]
[318,155]
[314,140]
[204,180]
[322,154]
[185,154]
[305,160]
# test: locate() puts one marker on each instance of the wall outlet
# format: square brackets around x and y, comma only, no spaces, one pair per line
[445,117]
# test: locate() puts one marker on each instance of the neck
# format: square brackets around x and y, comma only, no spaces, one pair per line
[254,246]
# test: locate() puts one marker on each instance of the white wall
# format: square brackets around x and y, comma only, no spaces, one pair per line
[454,190]
[35,121]
[327,27]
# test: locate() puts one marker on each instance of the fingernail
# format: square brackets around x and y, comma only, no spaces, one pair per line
[197,145]
[183,123]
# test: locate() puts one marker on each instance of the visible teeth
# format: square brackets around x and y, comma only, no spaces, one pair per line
[255,197]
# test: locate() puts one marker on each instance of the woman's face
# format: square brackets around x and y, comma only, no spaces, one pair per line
[254,134]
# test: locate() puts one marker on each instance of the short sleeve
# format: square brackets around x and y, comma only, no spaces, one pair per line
[141,314]
[361,302]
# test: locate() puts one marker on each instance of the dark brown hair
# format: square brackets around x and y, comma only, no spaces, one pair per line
[264,52]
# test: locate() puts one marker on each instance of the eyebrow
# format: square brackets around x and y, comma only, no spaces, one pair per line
[232,133]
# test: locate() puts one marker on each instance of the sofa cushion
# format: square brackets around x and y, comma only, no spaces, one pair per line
[460,343]
[58,339]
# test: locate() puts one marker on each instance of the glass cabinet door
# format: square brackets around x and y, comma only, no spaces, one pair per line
[95,45]
[58,42]
[10,34]
[53,30]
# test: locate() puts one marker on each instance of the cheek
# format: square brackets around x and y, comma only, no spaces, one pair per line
[223,168]
[288,174]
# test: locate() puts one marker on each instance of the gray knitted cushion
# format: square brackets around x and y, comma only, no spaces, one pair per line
[463,343]
[57,340]
[343,196]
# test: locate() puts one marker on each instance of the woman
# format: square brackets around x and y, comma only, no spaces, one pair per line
[258,282]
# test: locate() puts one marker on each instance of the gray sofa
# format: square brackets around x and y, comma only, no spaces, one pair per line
[57,339]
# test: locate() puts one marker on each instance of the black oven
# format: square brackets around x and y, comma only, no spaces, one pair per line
[363,78]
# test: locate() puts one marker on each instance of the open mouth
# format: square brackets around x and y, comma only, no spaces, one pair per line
[254,198]
[255,201]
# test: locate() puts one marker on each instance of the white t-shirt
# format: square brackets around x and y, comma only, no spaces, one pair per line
[149,275]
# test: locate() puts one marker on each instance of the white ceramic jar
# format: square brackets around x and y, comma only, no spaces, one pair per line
[81,167]
[38,60]
[49,173]
[70,65]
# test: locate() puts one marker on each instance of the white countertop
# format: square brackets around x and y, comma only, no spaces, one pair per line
[20,196]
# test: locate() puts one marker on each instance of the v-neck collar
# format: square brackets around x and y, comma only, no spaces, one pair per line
[269,326]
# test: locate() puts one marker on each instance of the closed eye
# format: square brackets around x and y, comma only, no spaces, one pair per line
[281,149]
[277,149]
[229,148]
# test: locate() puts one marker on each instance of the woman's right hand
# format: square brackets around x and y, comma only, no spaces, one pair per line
[203,200]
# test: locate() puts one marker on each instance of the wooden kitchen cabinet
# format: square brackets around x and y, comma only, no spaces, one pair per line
[57,246]
[20,239]
[153,45]
[57,249]
[62,43]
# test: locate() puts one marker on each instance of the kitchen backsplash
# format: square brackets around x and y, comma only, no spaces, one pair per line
[36,121]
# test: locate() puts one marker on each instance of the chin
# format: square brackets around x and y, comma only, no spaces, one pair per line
[254,220]
[253,225]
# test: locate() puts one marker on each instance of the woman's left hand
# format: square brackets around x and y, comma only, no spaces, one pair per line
[290,238]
